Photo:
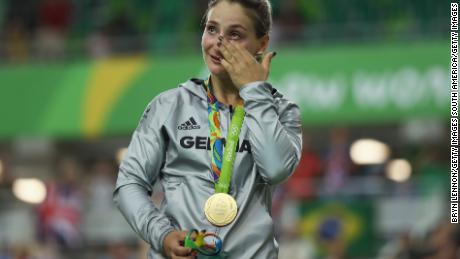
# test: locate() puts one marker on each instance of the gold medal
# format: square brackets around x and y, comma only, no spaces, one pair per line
[220,209]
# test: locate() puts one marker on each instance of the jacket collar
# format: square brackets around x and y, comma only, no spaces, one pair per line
[196,87]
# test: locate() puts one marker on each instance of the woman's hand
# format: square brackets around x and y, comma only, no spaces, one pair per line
[241,66]
[172,247]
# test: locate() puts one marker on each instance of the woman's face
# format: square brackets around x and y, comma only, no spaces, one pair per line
[230,21]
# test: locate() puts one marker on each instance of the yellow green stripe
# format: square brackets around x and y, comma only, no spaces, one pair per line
[109,80]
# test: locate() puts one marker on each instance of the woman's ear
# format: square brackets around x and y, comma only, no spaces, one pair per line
[263,44]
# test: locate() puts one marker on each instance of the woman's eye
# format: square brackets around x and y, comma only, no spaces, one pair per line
[235,35]
[211,29]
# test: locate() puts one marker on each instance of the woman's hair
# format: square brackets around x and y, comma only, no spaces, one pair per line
[260,12]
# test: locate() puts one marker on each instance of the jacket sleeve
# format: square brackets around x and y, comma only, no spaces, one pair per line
[275,131]
[138,172]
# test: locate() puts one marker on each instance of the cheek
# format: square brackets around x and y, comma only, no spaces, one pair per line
[206,42]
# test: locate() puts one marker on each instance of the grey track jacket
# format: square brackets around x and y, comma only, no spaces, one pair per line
[171,145]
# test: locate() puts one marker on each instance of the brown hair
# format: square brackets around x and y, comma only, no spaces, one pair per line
[260,12]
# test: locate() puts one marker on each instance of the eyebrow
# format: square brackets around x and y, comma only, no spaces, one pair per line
[231,26]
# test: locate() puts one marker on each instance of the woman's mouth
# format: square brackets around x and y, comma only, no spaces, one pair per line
[215,59]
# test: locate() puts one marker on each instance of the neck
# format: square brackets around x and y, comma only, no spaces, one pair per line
[225,91]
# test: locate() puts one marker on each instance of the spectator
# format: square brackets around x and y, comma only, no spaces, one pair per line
[301,185]
[16,46]
[98,44]
[290,23]
[338,163]
[101,185]
[60,213]
[54,20]
[445,241]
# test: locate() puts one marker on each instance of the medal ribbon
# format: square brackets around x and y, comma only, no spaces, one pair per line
[222,160]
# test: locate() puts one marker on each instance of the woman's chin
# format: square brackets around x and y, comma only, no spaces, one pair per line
[217,70]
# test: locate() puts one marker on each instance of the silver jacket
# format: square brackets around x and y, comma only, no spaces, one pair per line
[171,145]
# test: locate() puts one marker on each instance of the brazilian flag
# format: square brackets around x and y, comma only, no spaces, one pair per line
[347,226]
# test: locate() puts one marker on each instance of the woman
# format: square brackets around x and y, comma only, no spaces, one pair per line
[179,143]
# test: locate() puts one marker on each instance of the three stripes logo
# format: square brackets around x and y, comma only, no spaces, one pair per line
[190,124]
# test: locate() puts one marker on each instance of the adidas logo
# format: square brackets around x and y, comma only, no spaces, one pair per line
[189,125]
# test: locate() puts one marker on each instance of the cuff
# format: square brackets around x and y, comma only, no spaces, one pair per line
[260,90]
[162,238]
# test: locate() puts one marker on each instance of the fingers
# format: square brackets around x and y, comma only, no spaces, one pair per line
[235,57]
[182,257]
[172,245]
[267,60]
[227,54]
[241,65]
[180,250]
[243,54]
[233,53]
[226,65]
[182,235]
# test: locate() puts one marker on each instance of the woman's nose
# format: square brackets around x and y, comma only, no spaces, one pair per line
[219,40]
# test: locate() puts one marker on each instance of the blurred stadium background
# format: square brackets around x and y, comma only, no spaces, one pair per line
[371,78]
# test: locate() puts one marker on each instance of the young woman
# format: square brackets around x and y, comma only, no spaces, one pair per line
[180,139]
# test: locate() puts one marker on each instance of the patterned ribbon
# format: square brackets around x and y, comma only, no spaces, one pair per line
[216,142]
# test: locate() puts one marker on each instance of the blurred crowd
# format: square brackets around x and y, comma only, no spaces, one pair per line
[76,219]
[58,29]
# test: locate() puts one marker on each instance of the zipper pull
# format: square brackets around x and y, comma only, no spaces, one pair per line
[231,110]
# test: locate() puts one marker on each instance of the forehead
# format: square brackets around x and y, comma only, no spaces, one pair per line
[228,14]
